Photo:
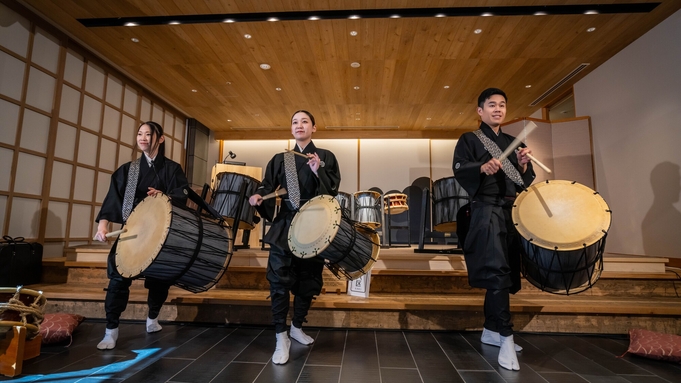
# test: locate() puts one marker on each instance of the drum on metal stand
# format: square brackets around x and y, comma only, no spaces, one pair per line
[225,198]
[320,229]
[173,244]
[448,198]
[563,227]
[368,208]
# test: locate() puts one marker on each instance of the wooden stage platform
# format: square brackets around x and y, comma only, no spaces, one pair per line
[408,291]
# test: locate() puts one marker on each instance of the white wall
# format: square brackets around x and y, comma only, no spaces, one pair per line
[634,101]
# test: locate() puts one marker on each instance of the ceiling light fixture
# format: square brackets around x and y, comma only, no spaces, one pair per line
[174,23]
[591,12]
[313,18]
[131,24]
[354,17]
[440,15]
[528,86]
[135,40]
[265,66]
[229,120]
[247,36]
[394,16]
[228,83]
[446,86]
[194,90]
[540,13]
[477,31]
[356,88]
[272,19]
[353,33]
[591,29]
[487,14]
[354,64]
[228,21]
[277,89]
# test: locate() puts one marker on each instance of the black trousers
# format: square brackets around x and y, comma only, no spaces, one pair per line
[497,312]
[118,293]
[289,274]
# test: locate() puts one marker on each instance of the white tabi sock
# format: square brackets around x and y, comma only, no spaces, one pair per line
[109,341]
[300,336]
[153,326]
[493,338]
[280,355]
[507,358]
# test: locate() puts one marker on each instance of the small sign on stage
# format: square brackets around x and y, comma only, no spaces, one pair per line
[360,286]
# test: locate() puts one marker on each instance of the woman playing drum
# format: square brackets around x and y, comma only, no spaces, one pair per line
[303,178]
[149,175]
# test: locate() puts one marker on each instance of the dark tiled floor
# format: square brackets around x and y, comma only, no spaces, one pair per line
[242,354]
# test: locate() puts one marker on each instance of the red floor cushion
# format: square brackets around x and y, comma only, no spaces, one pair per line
[58,327]
[655,345]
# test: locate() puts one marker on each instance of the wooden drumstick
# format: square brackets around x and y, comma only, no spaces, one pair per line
[115,233]
[297,154]
[536,161]
[514,145]
[276,193]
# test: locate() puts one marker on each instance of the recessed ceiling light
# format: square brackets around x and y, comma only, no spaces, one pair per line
[194,90]
[540,13]
[135,40]
[528,86]
[272,19]
[429,118]
[353,33]
[228,21]
[440,15]
[174,23]
[460,112]
[277,89]
[357,119]
[229,120]
[354,65]
[394,16]
[247,36]
[228,83]
[313,18]
[446,86]
[356,88]
[265,66]
[131,24]
[487,14]
[354,17]
[477,31]
[257,114]
[591,29]
[591,12]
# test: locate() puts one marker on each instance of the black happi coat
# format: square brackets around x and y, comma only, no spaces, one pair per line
[491,248]
[310,186]
[168,178]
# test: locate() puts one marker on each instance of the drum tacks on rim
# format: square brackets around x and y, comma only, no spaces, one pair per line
[563,226]
[320,229]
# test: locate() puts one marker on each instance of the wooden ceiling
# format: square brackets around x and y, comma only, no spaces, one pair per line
[418,76]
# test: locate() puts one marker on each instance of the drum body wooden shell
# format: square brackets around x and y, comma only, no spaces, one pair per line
[225,198]
[173,244]
[563,227]
[395,203]
[16,301]
[448,198]
[368,208]
[320,229]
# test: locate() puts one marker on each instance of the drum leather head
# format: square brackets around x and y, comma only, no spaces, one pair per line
[147,229]
[561,214]
[315,226]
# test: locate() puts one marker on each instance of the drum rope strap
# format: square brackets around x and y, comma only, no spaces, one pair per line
[292,179]
[130,187]
[506,165]
[15,304]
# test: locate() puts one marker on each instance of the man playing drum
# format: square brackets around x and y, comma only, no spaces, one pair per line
[149,175]
[492,247]
[303,178]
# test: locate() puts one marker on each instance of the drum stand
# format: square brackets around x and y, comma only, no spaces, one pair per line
[389,227]
[425,205]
